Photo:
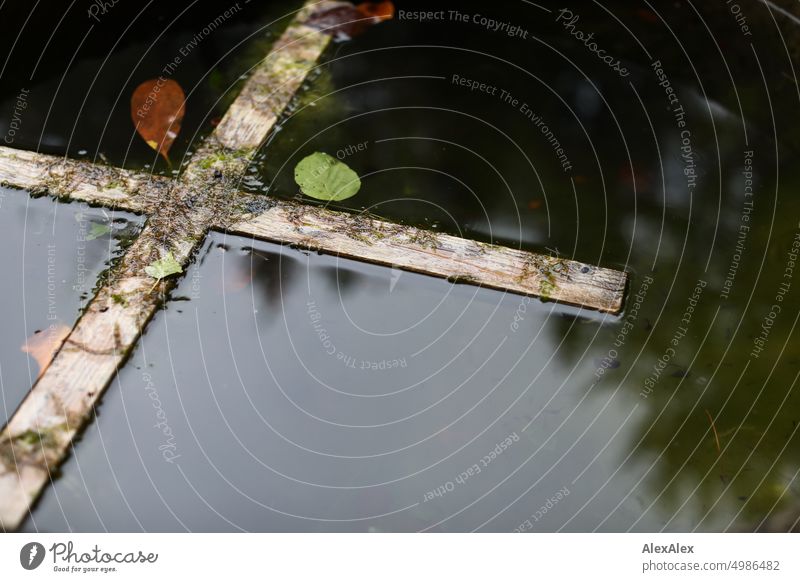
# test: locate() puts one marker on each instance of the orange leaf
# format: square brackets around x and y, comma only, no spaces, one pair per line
[379,11]
[43,345]
[157,109]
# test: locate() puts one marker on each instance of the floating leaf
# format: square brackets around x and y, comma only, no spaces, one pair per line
[379,11]
[325,178]
[97,231]
[164,267]
[43,345]
[157,109]
[344,20]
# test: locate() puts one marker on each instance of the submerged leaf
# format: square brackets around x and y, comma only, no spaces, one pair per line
[164,267]
[325,178]
[157,109]
[97,231]
[43,345]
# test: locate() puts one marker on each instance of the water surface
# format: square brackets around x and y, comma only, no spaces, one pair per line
[299,392]
[52,256]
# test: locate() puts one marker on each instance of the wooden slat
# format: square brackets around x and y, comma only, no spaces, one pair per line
[81,181]
[373,240]
[38,436]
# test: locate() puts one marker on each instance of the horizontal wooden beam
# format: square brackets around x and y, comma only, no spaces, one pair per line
[82,181]
[373,240]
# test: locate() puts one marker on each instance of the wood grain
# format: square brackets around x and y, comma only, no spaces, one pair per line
[373,240]
[81,181]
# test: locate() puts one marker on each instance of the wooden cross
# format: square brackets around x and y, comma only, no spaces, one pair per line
[181,211]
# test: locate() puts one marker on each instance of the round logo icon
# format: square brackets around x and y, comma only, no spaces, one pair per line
[31,555]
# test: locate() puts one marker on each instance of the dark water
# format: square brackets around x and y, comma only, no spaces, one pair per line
[77,72]
[52,256]
[301,392]
[475,409]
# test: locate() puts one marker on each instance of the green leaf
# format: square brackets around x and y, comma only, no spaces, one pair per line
[97,231]
[325,178]
[163,267]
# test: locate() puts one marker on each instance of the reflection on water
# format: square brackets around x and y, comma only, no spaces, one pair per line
[681,173]
[286,391]
[52,256]
[289,391]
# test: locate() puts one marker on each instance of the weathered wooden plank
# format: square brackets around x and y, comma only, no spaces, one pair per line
[271,87]
[38,436]
[81,181]
[423,251]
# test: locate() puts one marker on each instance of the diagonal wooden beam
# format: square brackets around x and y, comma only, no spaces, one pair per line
[40,433]
[460,260]
[82,181]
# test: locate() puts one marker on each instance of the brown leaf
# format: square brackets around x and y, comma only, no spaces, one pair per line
[344,20]
[379,11]
[157,109]
[43,345]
